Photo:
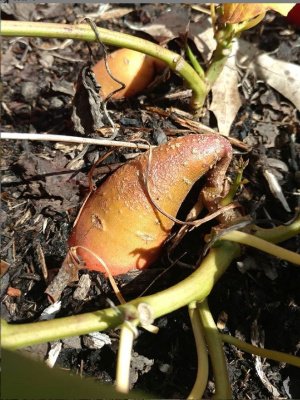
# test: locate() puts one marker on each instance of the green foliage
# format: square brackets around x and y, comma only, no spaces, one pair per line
[24,378]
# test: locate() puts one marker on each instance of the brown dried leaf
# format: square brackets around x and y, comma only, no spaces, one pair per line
[83,288]
[169,25]
[87,115]
[22,11]
[53,177]
[67,274]
[8,62]
[283,76]
[226,98]
[202,34]
[115,13]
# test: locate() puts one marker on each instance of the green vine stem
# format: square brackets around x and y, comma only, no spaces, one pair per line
[263,245]
[216,353]
[193,60]
[265,353]
[279,233]
[202,369]
[195,287]
[224,44]
[84,32]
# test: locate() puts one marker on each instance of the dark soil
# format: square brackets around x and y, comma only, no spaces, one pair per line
[44,184]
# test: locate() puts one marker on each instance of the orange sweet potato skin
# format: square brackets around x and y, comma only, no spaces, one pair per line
[136,70]
[120,224]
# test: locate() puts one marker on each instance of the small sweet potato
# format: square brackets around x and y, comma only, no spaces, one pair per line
[136,70]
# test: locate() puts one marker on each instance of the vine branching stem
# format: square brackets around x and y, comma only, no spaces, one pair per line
[216,353]
[263,245]
[84,32]
[195,287]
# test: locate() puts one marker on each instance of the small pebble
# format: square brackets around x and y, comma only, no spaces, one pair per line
[56,103]
[29,91]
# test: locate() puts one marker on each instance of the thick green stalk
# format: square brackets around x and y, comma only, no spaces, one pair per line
[17,336]
[216,353]
[84,32]
[224,44]
[194,288]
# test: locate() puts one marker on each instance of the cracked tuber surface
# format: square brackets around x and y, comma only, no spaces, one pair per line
[119,222]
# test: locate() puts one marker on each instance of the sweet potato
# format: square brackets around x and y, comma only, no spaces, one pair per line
[119,222]
[136,70]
